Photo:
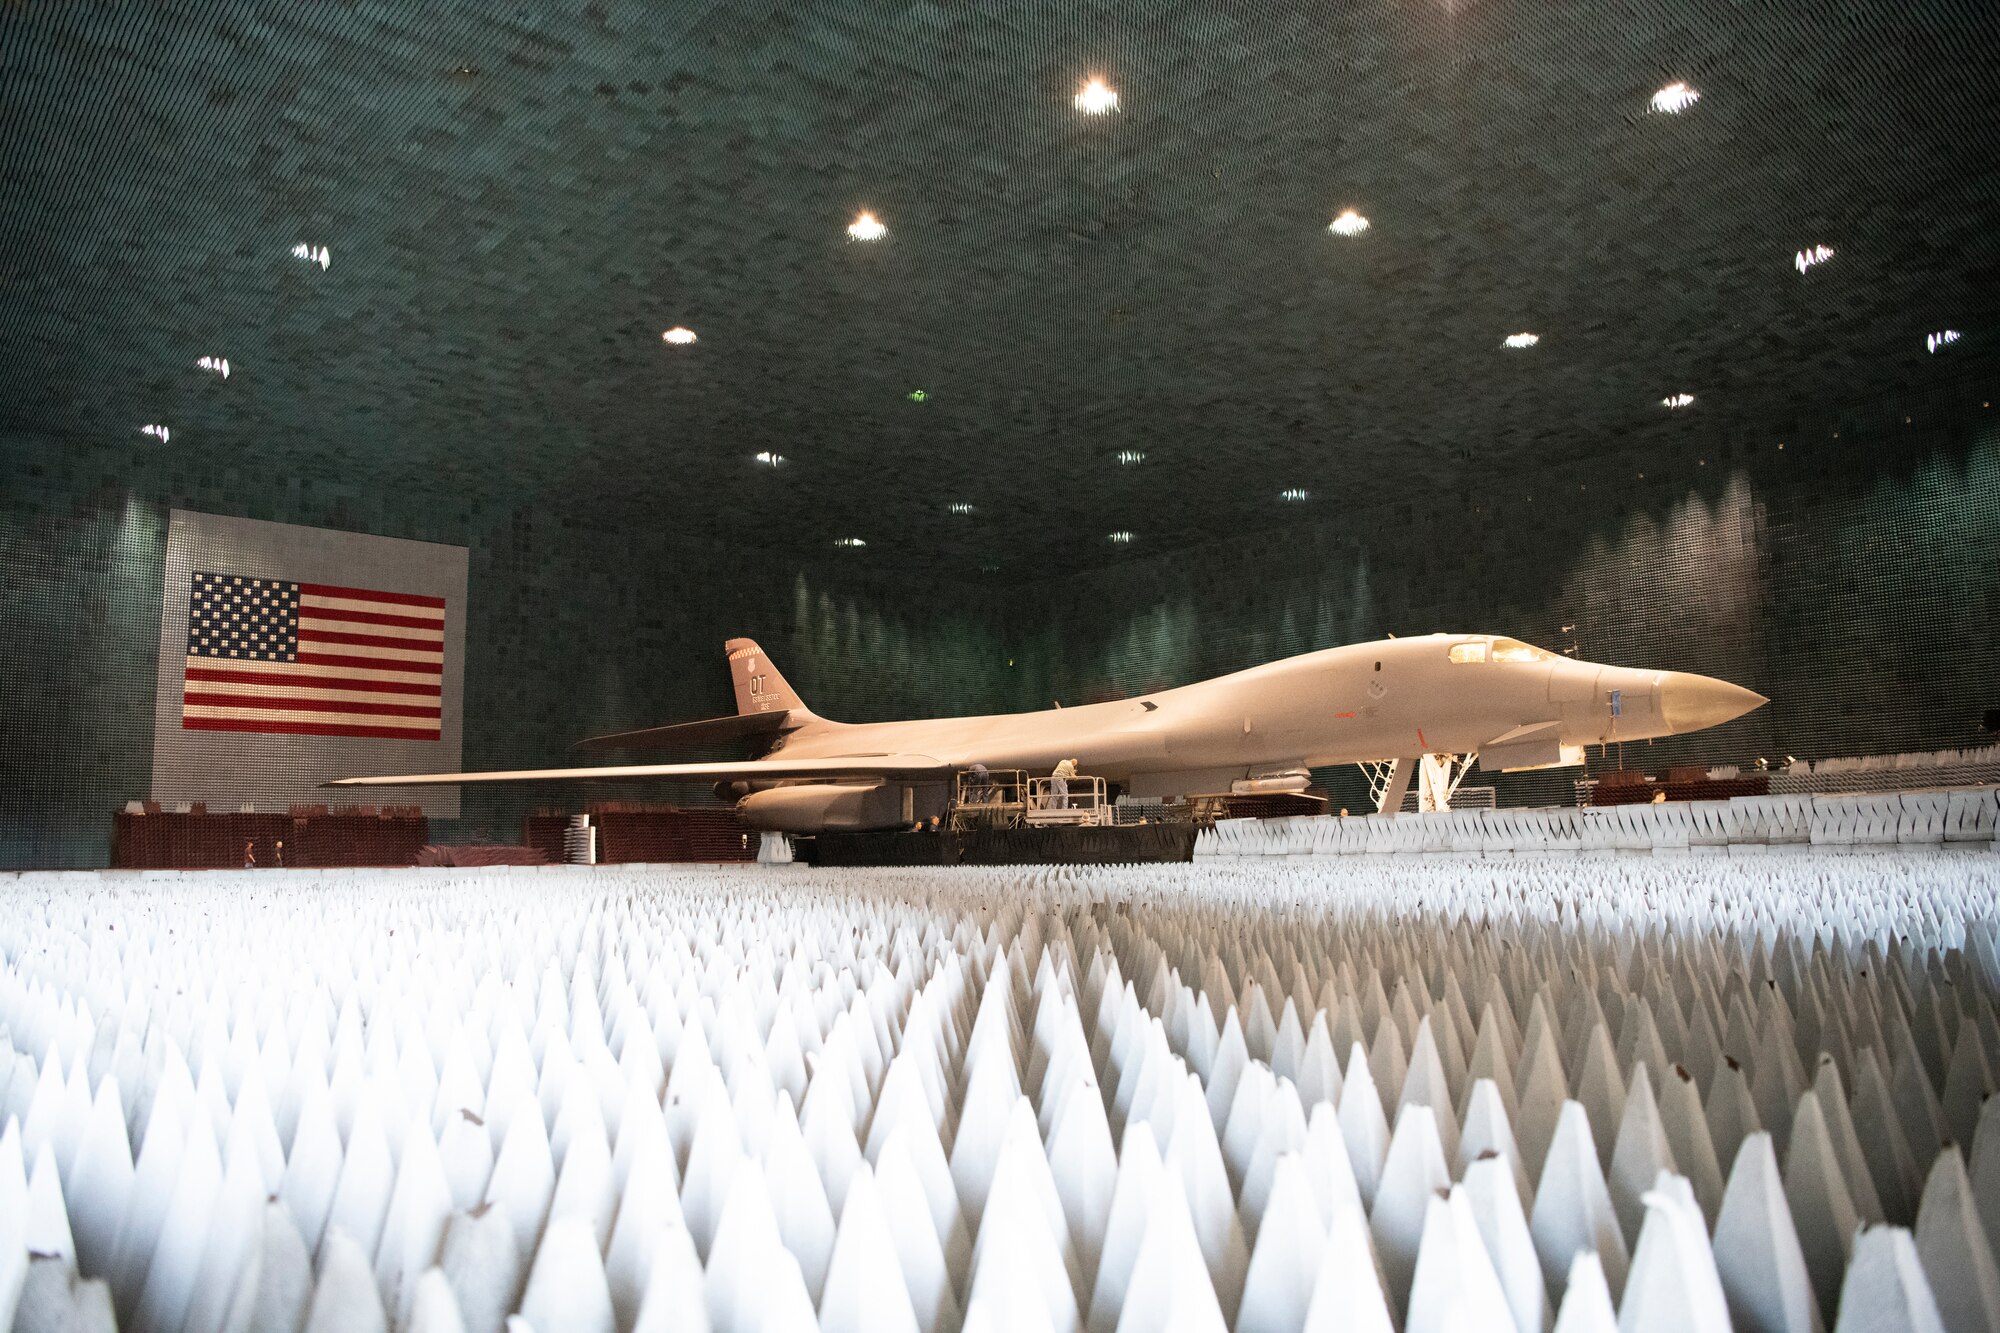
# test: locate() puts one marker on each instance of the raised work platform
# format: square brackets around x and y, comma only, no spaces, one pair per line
[1120,845]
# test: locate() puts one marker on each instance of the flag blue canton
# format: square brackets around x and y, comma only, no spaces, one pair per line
[251,620]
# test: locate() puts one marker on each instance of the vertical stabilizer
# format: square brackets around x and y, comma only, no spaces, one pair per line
[760,686]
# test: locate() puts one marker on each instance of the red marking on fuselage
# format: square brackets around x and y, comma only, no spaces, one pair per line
[1421,741]
[1343,715]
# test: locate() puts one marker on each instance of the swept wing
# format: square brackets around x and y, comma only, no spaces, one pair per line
[908,767]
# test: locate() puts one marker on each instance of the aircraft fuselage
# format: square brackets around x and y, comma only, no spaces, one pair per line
[1357,703]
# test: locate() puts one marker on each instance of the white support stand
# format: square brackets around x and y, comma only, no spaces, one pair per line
[1438,776]
[580,842]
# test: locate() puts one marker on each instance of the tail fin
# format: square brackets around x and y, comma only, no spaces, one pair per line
[760,687]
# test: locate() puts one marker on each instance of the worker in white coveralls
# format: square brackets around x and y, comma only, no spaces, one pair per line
[1059,784]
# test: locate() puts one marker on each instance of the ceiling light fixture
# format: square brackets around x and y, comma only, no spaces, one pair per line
[1121,537]
[960,507]
[866,228]
[850,541]
[1520,340]
[1349,223]
[769,459]
[1131,457]
[217,364]
[1097,98]
[1293,494]
[678,336]
[1675,98]
[160,433]
[312,254]
[1677,400]
[1942,338]
[1805,259]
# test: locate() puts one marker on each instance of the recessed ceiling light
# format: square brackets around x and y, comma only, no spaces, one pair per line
[679,337]
[1942,338]
[160,433]
[1817,254]
[1675,98]
[866,228]
[850,541]
[1520,340]
[1097,98]
[960,507]
[312,254]
[218,364]
[1349,223]
[1677,400]
[1121,537]
[1294,494]
[769,459]
[1131,457]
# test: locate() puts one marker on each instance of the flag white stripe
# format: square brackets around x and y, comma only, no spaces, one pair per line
[286,691]
[212,712]
[309,601]
[386,655]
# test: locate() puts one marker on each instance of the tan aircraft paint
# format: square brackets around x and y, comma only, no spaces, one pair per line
[1369,701]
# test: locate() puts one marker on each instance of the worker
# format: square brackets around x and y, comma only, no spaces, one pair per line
[249,856]
[978,785]
[1059,784]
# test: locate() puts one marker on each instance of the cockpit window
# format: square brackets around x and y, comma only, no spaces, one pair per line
[1474,651]
[1513,650]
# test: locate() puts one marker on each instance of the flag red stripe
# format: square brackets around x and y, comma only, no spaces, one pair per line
[307,729]
[369,640]
[372,663]
[280,704]
[371,617]
[321,682]
[366,595]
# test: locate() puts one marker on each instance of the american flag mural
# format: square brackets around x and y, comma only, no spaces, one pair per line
[312,659]
[290,655]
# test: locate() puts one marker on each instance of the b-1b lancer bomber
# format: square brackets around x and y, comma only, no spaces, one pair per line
[1392,701]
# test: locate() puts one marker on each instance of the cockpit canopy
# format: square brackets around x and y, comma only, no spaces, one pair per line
[1498,650]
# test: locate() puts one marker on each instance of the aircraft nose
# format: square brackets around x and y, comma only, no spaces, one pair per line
[1690,702]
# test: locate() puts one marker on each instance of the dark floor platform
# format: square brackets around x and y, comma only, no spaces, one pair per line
[1009,847]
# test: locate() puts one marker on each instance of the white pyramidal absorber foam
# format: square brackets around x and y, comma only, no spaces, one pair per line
[1577,1093]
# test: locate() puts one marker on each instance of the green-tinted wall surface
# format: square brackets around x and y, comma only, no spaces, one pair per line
[1859,591]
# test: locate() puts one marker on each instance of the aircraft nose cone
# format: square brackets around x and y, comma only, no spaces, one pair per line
[1689,702]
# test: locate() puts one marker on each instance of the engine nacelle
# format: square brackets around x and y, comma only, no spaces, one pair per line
[821,807]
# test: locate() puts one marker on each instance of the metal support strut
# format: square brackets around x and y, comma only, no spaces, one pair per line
[1437,775]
